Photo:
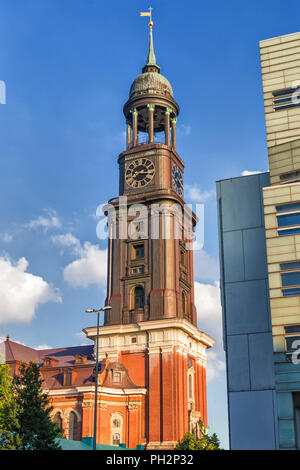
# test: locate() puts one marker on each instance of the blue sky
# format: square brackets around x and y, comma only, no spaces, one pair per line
[68,66]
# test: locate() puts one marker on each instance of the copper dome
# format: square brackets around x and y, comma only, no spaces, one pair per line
[151,83]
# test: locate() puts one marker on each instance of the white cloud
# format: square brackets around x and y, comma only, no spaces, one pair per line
[194,194]
[209,311]
[66,239]
[22,292]
[50,220]
[82,337]
[206,268]
[208,302]
[247,172]
[89,268]
[185,130]
[7,237]
[42,346]
[215,366]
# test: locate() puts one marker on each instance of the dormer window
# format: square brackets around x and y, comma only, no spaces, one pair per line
[67,378]
[49,362]
[117,377]
[80,359]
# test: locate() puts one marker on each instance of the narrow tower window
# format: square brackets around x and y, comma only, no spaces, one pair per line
[190,386]
[139,297]
[139,251]
[182,257]
[183,297]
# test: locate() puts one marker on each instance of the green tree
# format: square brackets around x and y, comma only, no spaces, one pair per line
[37,431]
[205,442]
[9,423]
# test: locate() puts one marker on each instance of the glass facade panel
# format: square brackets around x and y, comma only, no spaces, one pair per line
[287,292]
[290,231]
[288,207]
[292,329]
[288,266]
[288,219]
[290,279]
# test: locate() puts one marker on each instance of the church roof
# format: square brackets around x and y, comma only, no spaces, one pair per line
[64,359]
[13,351]
[66,356]
[18,352]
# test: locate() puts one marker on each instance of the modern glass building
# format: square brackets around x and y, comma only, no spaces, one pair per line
[259,233]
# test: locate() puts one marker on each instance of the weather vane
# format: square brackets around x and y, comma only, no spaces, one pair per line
[148,13]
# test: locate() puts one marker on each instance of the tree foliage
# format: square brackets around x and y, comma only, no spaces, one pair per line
[37,431]
[9,410]
[205,442]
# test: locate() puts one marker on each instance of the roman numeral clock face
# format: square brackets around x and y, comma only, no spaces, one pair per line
[177,179]
[139,173]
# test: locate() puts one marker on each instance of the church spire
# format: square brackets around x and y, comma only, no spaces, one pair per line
[151,60]
[151,65]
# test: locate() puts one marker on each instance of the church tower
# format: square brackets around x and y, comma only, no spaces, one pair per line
[151,330]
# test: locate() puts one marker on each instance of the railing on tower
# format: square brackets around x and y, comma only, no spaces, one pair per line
[144,139]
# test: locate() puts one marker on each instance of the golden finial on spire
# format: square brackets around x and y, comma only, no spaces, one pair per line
[148,13]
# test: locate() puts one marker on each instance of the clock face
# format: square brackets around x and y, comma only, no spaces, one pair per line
[177,179]
[139,173]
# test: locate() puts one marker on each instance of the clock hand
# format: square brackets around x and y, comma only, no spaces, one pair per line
[141,172]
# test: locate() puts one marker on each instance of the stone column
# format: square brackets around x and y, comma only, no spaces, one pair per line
[135,127]
[128,135]
[167,127]
[174,120]
[151,108]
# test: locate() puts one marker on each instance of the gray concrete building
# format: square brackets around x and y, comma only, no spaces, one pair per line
[247,331]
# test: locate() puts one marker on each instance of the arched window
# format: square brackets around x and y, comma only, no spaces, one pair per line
[139,297]
[116,439]
[73,426]
[183,298]
[58,420]
[116,428]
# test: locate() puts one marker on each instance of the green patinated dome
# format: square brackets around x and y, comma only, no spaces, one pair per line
[151,83]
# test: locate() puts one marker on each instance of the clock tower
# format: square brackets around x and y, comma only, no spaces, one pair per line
[151,329]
